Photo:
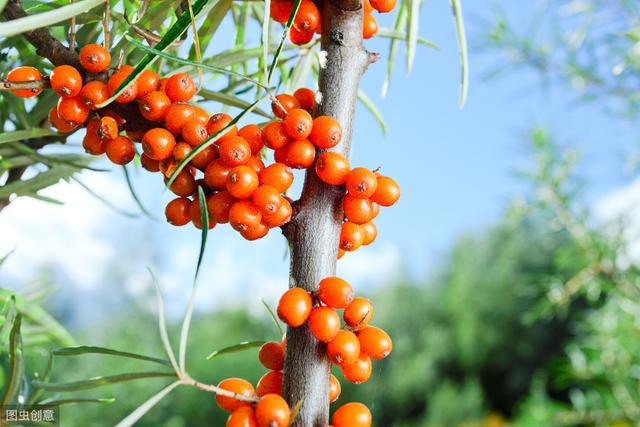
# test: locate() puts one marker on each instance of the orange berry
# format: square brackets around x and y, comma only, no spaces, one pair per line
[375,342]
[357,210]
[278,176]
[215,175]
[66,81]
[238,386]
[340,253]
[177,211]
[299,154]
[94,58]
[149,164]
[352,414]
[180,87]
[25,74]
[204,157]
[255,232]
[253,135]
[201,115]
[344,349]
[324,323]
[59,123]
[298,123]
[120,150]
[271,355]
[196,214]
[375,210]
[298,37]
[280,155]
[94,93]
[73,110]
[280,10]
[357,314]
[108,128]
[370,232]
[131,91]
[244,215]
[267,199]
[332,168]
[242,181]
[234,151]
[369,26]
[383,6]
[361,183]
[326,132]
[307,17]
[358,371]
[294,307]
[367,6]
[335,292]
[256,164]
[275,135]
[272,411]
[281,216]
[287,102]
[92,143]
[154,105]
[177,115]
[167,166]
[158,143]
[387,191]
[181,151]
[219,205]
[242,417]
[148,82]
[194,133]
[306,98]
[270,383]
[351,236]
[184,185]
[334,388]
[219,121]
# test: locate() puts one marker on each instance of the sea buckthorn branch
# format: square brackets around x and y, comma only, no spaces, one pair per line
[315,227]
[25,85]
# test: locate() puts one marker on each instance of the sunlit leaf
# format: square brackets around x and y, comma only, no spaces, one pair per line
[368,103]
[84,349]
[65,402]
[273,316]
[246,345]
[132,418]
[231,101]
[462,47]
[101,381]
[22,135]
[16,363]
[283,37]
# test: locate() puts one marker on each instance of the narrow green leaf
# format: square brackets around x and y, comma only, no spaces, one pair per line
[246,345]
[461,35]
[412,31]
[46,19]
[274,62]
[132,418]
[6,256]
[266,20]
[395,34]
[64,402]
[368,103]
[213,138]
[38,182]
[84,349]
[22,135]
[170,36]
[134,195]
[231,101]
[234,55]
[273,316]
[204,217]
[162,324]
[210,24]
[104,200]
[16,363]
[101,381]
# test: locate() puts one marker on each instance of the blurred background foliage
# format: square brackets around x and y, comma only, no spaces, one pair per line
[532,322]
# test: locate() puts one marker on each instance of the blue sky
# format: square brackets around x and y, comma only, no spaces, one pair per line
[455,168]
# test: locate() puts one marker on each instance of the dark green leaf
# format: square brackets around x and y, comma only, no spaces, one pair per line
[134,195]
[296,6]
[21,135]
[16,363]
[204,217]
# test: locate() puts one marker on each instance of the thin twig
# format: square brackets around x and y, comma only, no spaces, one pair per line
[72,31]
[105,24]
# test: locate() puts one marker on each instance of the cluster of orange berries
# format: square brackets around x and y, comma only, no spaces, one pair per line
[308,19]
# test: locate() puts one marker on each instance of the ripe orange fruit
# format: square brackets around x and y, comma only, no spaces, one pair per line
[275,135]
[298,37]
[154,105]
[256,232]
[94,58]
[184,185]
[353,414]
[177,115]
[238,386]
[334,388]
[344,349]
[219,121]
[361,183]
[243,215]
[158,143]
[180,87]
[278,176]
[271,356]
[351,236]
[66,81]
[306,98]
[332,168]
[234,150]
[357,210]
[25,74]
[335,292]
[201,115]
[272,411]
[326,132]
[204,157]
[242,181]
[369,26]
[194,132]
[120,150]
[253,135]
[256,164]
[73,110]
[149,164]
[367,6]
[148,81]
[280,10]
[358,371]
[59,123]
[93,144]
[299,154]
[294,307]
[357,314]
[298,122]
[287,102]
[375,342]
[281,216]
[219,205]
[215,175]
[387,191]
[108,128]
[94,93]
[267,199]
[131,91]
[269,383]
[196,215]
[308,16]
[370,232]
[383,6]
[244,416]
[324,323]
[177,211]
[181,151]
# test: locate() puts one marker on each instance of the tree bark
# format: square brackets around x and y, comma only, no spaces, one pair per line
[314,230]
